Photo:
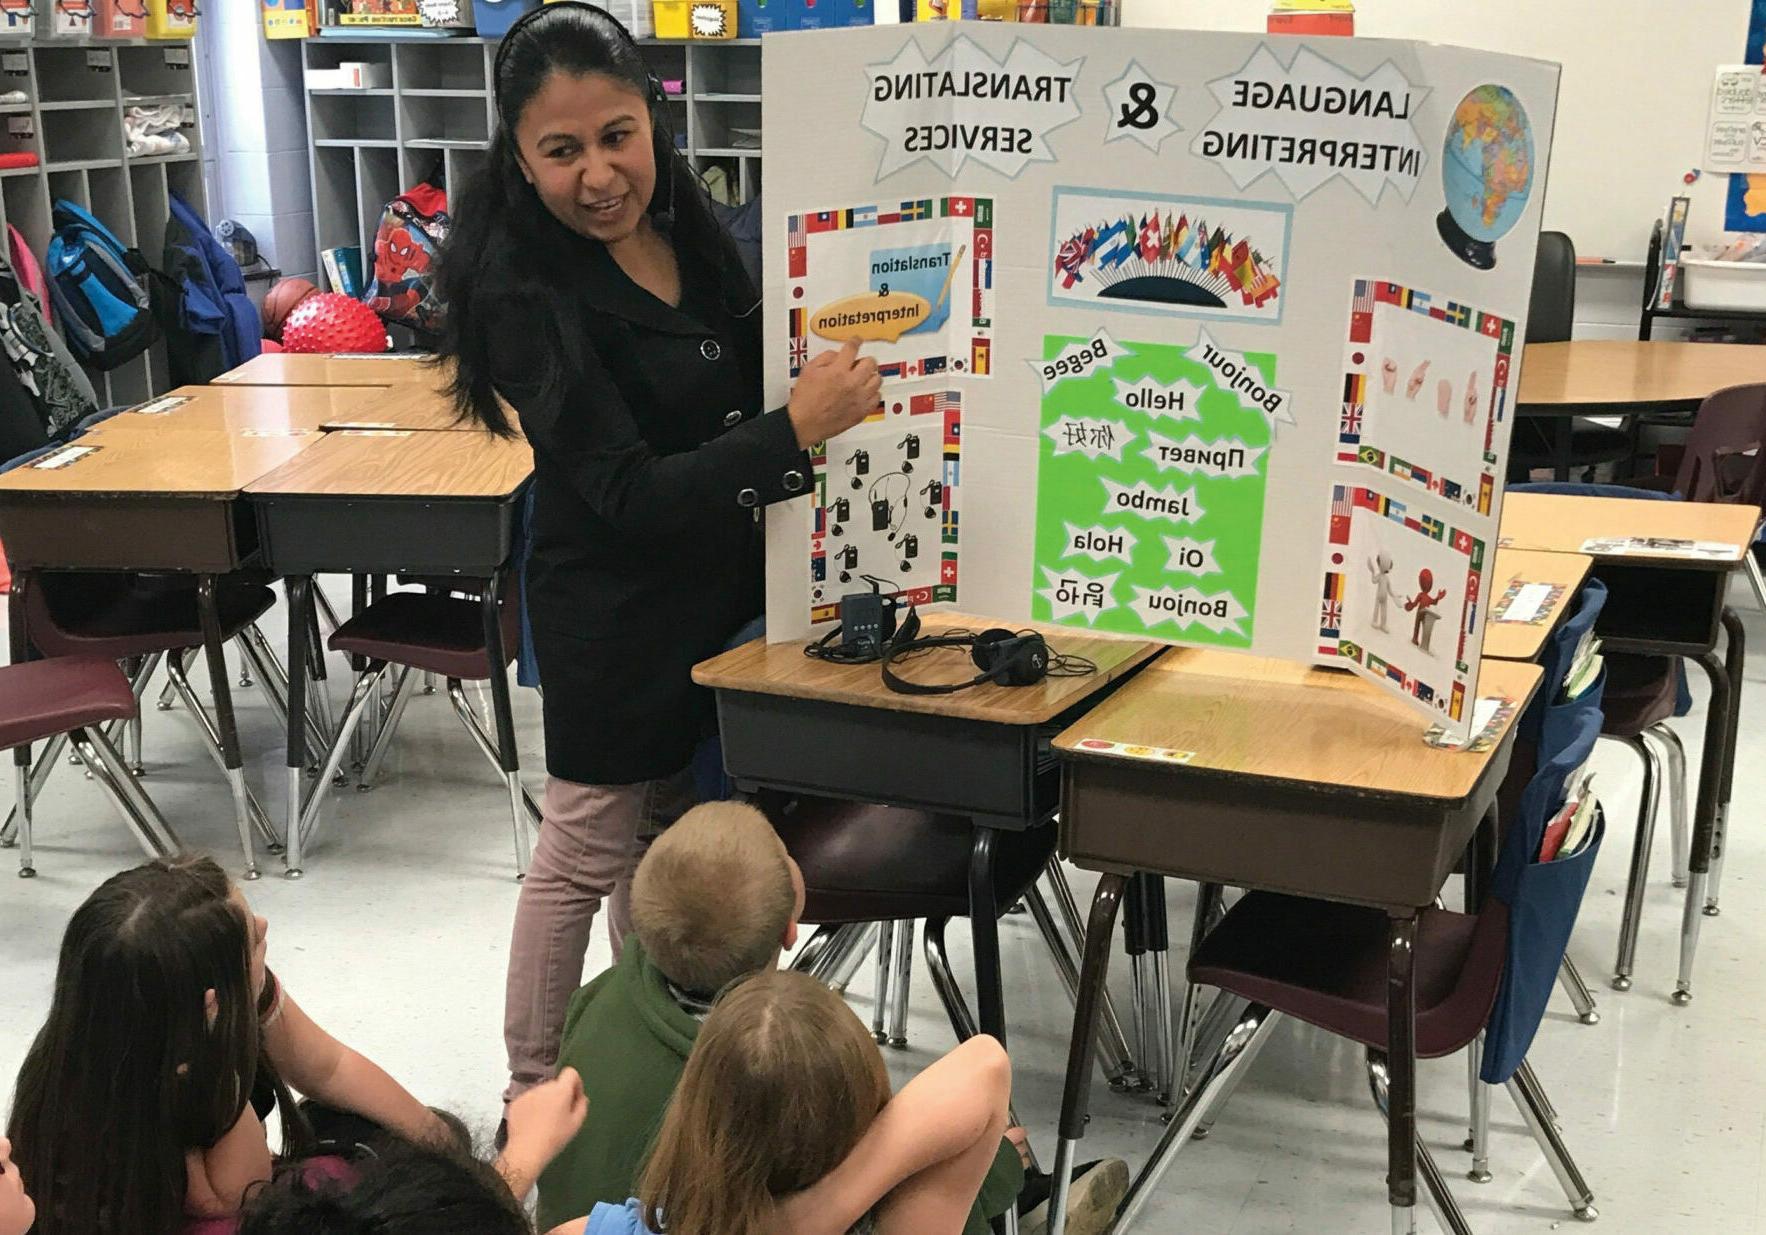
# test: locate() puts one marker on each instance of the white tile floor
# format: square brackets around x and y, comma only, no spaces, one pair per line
[396,941]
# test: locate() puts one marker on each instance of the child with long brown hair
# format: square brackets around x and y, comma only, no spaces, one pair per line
[140,1104]
[783,1124]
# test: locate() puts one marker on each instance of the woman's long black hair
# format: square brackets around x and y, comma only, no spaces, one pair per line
[506,249]
[127,1073]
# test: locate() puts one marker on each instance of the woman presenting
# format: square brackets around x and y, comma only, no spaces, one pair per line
[590,288]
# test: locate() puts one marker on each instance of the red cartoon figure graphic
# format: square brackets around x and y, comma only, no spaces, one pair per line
[410,235]
[1423,605]
[400,264]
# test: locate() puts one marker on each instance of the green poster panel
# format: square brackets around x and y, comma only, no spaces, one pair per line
[1149,517]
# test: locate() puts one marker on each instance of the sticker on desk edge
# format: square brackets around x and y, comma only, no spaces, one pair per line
[358,426]
[1125,750]
[1528,603]
[160,406]
[1659,546]
[1490,716]
[63,457]
[375,356]
[275,433]
[374,433]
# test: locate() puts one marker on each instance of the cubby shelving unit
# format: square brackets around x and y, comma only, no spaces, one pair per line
[367,146]
[71,118]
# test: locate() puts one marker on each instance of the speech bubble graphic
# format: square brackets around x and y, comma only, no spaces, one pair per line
[962,104]
[1190,557]
[1233,372]
[1098,542]
[1180,400]
[1143,499]
[1095,439]
[1314,120]
[1078,360]
[1219,460]
[870,316]
[1184,607]
[709,21]
[1071,594]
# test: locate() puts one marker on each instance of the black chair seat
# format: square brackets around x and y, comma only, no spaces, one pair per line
[865,863]
[113,616]
[1640,693]
[42,698]
[1325,964]
[443,635]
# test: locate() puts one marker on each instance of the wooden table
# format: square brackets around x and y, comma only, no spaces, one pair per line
[1664,604]
[1624,377]
[414,406]
[1263,774]
[131,502]
[340,369]
[791,723]
[1563,572]
[250,411]
[391,502]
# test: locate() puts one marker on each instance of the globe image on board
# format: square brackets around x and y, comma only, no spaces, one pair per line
[1486,173]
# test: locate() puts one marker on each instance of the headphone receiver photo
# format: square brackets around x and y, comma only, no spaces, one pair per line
[1004,658]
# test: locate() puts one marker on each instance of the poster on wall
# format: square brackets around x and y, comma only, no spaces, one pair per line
[1209,339]
[1735,137]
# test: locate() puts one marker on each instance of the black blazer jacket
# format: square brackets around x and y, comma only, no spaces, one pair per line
[647,551]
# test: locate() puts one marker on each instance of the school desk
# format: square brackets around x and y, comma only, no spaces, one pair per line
[801,725]
[1509,636]
[341,369]
[251,411]
[387,502]
[133,502]
[1664,603]
[1625,377]
[413,406]
[1240,771]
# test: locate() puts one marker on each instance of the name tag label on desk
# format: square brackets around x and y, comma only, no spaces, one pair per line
[273,432]
[64,457]
[376,433]
[159,407]
[375,356]
[362,426]
[1659,546]
[1526,602]
[1489,716]
[1124,750]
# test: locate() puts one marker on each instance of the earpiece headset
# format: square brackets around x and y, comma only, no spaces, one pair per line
[1004,657]
[661,121]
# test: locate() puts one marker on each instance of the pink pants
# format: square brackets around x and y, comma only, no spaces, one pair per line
[590,842]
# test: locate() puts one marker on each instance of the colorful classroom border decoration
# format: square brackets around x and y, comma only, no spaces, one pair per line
[1345,499]
[1358,376]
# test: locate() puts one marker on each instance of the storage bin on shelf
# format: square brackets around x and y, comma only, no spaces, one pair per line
[494,17]
[171,19]
[695,19]
[1723,286]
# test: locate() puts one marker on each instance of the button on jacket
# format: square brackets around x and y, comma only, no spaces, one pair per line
[646,554]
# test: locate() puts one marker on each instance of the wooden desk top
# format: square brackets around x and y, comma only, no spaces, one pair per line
[402,463]
[200,464]
[1523,640]
[782,669]
[1616,373]
[1277,720]
[253,410]
[413,406]
[296,369]
[1560,524]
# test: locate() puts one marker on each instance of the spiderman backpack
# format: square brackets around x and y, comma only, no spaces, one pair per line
[405,251]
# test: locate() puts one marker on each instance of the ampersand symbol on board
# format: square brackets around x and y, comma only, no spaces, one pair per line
[1138,112]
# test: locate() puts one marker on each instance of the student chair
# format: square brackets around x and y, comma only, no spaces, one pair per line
[1561,443]
[865,864]
[1489,973]
[451,637]
[77,698]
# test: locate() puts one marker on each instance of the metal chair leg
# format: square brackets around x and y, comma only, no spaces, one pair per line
[1636,883]
[166,696]
[246,802]
[841,974]
[21,813]
[151,831]
[1529,1096]
[811,951]
[1245,1039]
[944,981]
[1434,1182]
[843,943]
[1112,1049]
[1755,578]
[1479,1140]
[885,950]
[360,698]
[523,810]
[901,983]
[383,740]
[1570,978]
[1678,802]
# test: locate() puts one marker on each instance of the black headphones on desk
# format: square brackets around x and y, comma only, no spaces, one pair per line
[1005,658]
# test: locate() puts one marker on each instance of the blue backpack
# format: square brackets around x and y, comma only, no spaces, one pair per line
[215,326]
[99,296]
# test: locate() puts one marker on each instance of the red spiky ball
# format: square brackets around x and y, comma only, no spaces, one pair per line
[333,322]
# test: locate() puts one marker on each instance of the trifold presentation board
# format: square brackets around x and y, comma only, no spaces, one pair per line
[1205,338]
